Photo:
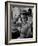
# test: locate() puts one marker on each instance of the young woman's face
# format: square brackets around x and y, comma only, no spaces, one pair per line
[23,18]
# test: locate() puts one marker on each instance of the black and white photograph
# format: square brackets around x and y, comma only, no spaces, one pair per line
[20,22]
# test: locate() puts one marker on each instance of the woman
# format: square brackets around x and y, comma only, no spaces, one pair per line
[26,31]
